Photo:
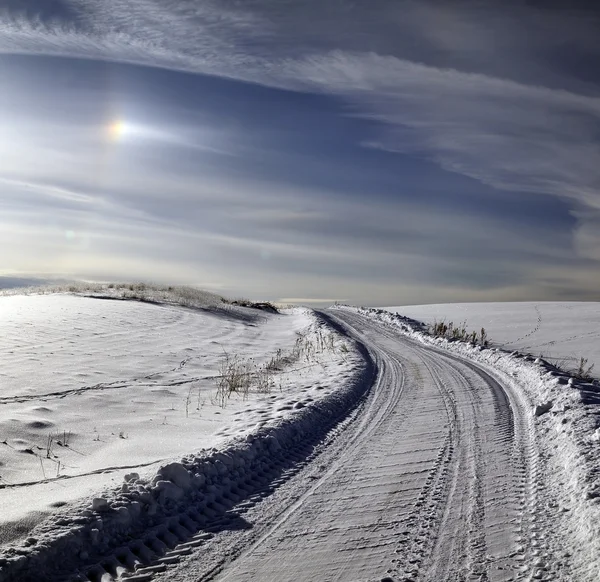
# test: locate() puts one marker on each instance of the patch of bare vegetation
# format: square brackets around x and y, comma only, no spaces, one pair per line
[182,295]
[459,332]
[584,370]
[152,293]
[241,377]
[262,305]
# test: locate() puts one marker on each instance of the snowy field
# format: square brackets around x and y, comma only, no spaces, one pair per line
[92,389]
[562,332]
[148,440]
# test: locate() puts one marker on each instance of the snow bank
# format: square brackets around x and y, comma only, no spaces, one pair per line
[567,424]
[205,484]
[91,390]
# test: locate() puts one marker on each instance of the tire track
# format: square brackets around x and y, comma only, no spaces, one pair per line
[500,505]
[434,476]
[516,431]
[465,446]
[452,465]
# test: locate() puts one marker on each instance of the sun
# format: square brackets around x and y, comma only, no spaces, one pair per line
[118,129]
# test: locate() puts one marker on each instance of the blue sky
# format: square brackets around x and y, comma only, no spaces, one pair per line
[376,152]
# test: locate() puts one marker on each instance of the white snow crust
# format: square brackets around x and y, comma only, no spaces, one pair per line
[560,332]
[110,430]
[125,392]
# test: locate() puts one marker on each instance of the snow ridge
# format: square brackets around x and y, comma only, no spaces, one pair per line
[185,500]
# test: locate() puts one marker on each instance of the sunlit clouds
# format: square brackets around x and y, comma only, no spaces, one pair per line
[404,152]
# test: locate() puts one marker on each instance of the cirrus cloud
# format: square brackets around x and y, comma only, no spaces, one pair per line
[487,93]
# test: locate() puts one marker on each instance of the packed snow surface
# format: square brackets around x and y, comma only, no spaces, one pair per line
[445,472]
[355,447]
[563,332]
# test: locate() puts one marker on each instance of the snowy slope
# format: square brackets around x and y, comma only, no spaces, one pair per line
[561,331]
[91,390]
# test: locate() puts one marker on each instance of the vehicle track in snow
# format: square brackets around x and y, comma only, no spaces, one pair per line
[434,483]
[434,476]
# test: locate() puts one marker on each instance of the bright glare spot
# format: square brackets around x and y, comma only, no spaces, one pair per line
[118,129]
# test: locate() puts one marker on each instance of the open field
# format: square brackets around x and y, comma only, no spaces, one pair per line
[142,439]
[562,332]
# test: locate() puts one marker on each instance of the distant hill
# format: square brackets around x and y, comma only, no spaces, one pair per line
[13,282]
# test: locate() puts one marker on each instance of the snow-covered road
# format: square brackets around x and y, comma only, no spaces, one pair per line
[434,477]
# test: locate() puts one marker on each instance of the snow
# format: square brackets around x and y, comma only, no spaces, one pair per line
[114,444]
[91,389]
[562,332]
[444,474]
[566,431]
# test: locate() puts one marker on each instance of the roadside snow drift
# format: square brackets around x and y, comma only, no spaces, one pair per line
[99,401]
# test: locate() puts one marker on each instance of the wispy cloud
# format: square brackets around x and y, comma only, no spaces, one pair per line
[484,93]
[55,192]
[510,135]
[505,133]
